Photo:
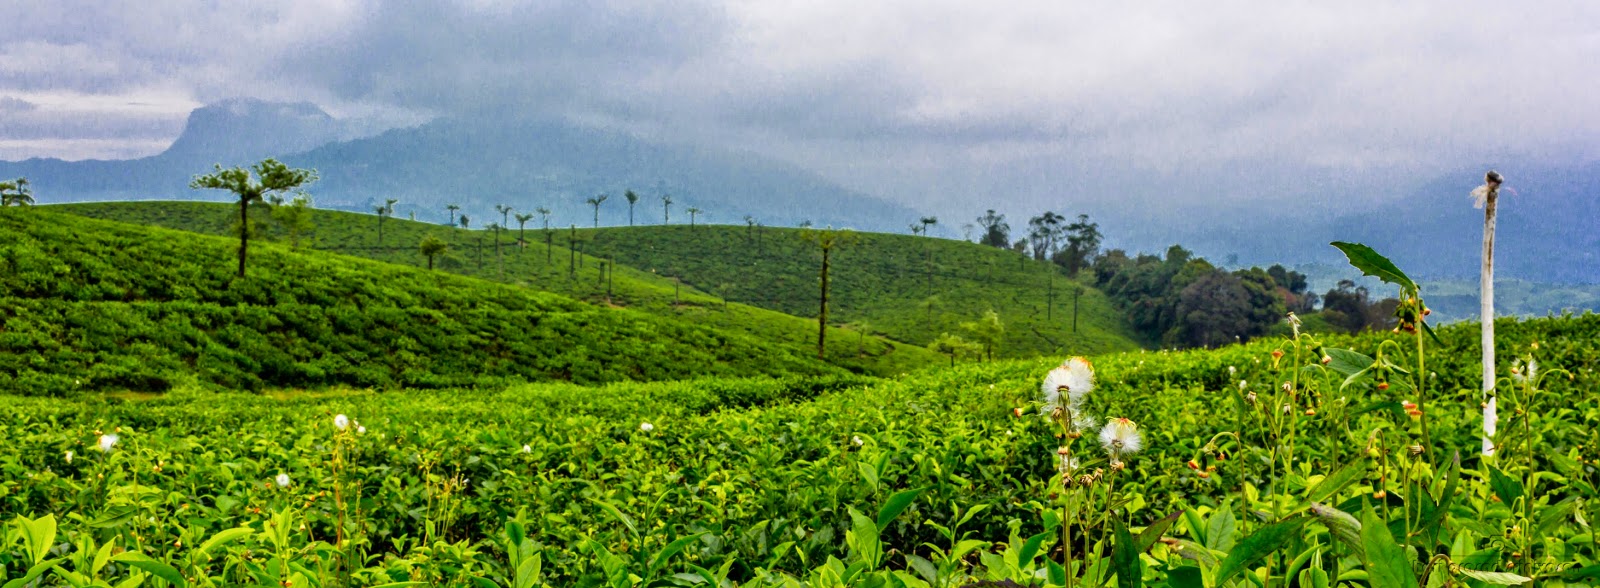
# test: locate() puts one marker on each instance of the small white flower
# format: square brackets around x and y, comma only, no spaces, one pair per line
[341,422]
[1231,371]
[282,480]
[1121,437]
[69,456]
[527,449]
[646,427]
[1294,324]
[361,430]
[856,440]
[1243,384]
[106,442]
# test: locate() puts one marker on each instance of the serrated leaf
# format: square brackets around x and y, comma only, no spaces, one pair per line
[1386,562]
[1372,263]
[1496,578]
[1258,546]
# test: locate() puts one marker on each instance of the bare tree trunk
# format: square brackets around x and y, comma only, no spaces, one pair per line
[244,232]
[822,313]
[1486,315]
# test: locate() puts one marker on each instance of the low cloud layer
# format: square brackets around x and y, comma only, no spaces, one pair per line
[934,103]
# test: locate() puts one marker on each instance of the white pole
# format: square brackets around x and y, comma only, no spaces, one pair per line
[1488,194]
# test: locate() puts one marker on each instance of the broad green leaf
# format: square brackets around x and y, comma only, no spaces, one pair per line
[1258,546]
[1496,578]
[224,536]
[1185,577]
[897,503]
[39,535]
[1153,533]
[1333,483]
[869,474]
[1125,557]
[113,516]
[1220,529]
[157,568]
[863,539]
[1346,362]
[1373,264]
[670,550]
[1030,548]
[1313,578]
[616,513]
[1386,562]
[33,573]
[1344,527]
[1507,488]
[1428,526]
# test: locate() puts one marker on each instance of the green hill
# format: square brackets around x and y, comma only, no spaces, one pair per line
[557,270]
[905,287]
[881,283]
[94,305]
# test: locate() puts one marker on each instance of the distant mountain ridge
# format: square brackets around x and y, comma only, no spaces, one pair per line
[476,164]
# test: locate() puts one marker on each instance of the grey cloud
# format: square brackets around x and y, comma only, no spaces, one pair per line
[925,100]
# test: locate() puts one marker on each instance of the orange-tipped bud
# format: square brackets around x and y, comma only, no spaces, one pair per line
[1383,385]
[1192,465]
[1204,475]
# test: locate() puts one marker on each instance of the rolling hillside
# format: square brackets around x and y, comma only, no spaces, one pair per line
[881,285]
[558,270]
[909,288]
[94,305]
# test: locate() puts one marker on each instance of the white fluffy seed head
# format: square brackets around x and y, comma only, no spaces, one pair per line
[341,422]
[282,480]
[1121,437]
[646,427]
[106,442]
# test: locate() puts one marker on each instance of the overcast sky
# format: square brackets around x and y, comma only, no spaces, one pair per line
[925,101]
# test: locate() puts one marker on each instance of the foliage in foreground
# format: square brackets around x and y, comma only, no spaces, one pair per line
[928,480]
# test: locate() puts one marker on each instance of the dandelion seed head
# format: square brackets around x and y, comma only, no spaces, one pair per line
[646,427]
[341,422]
[106,442]
[527,449]
[1075,378]
[1120,436]
[282,480]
